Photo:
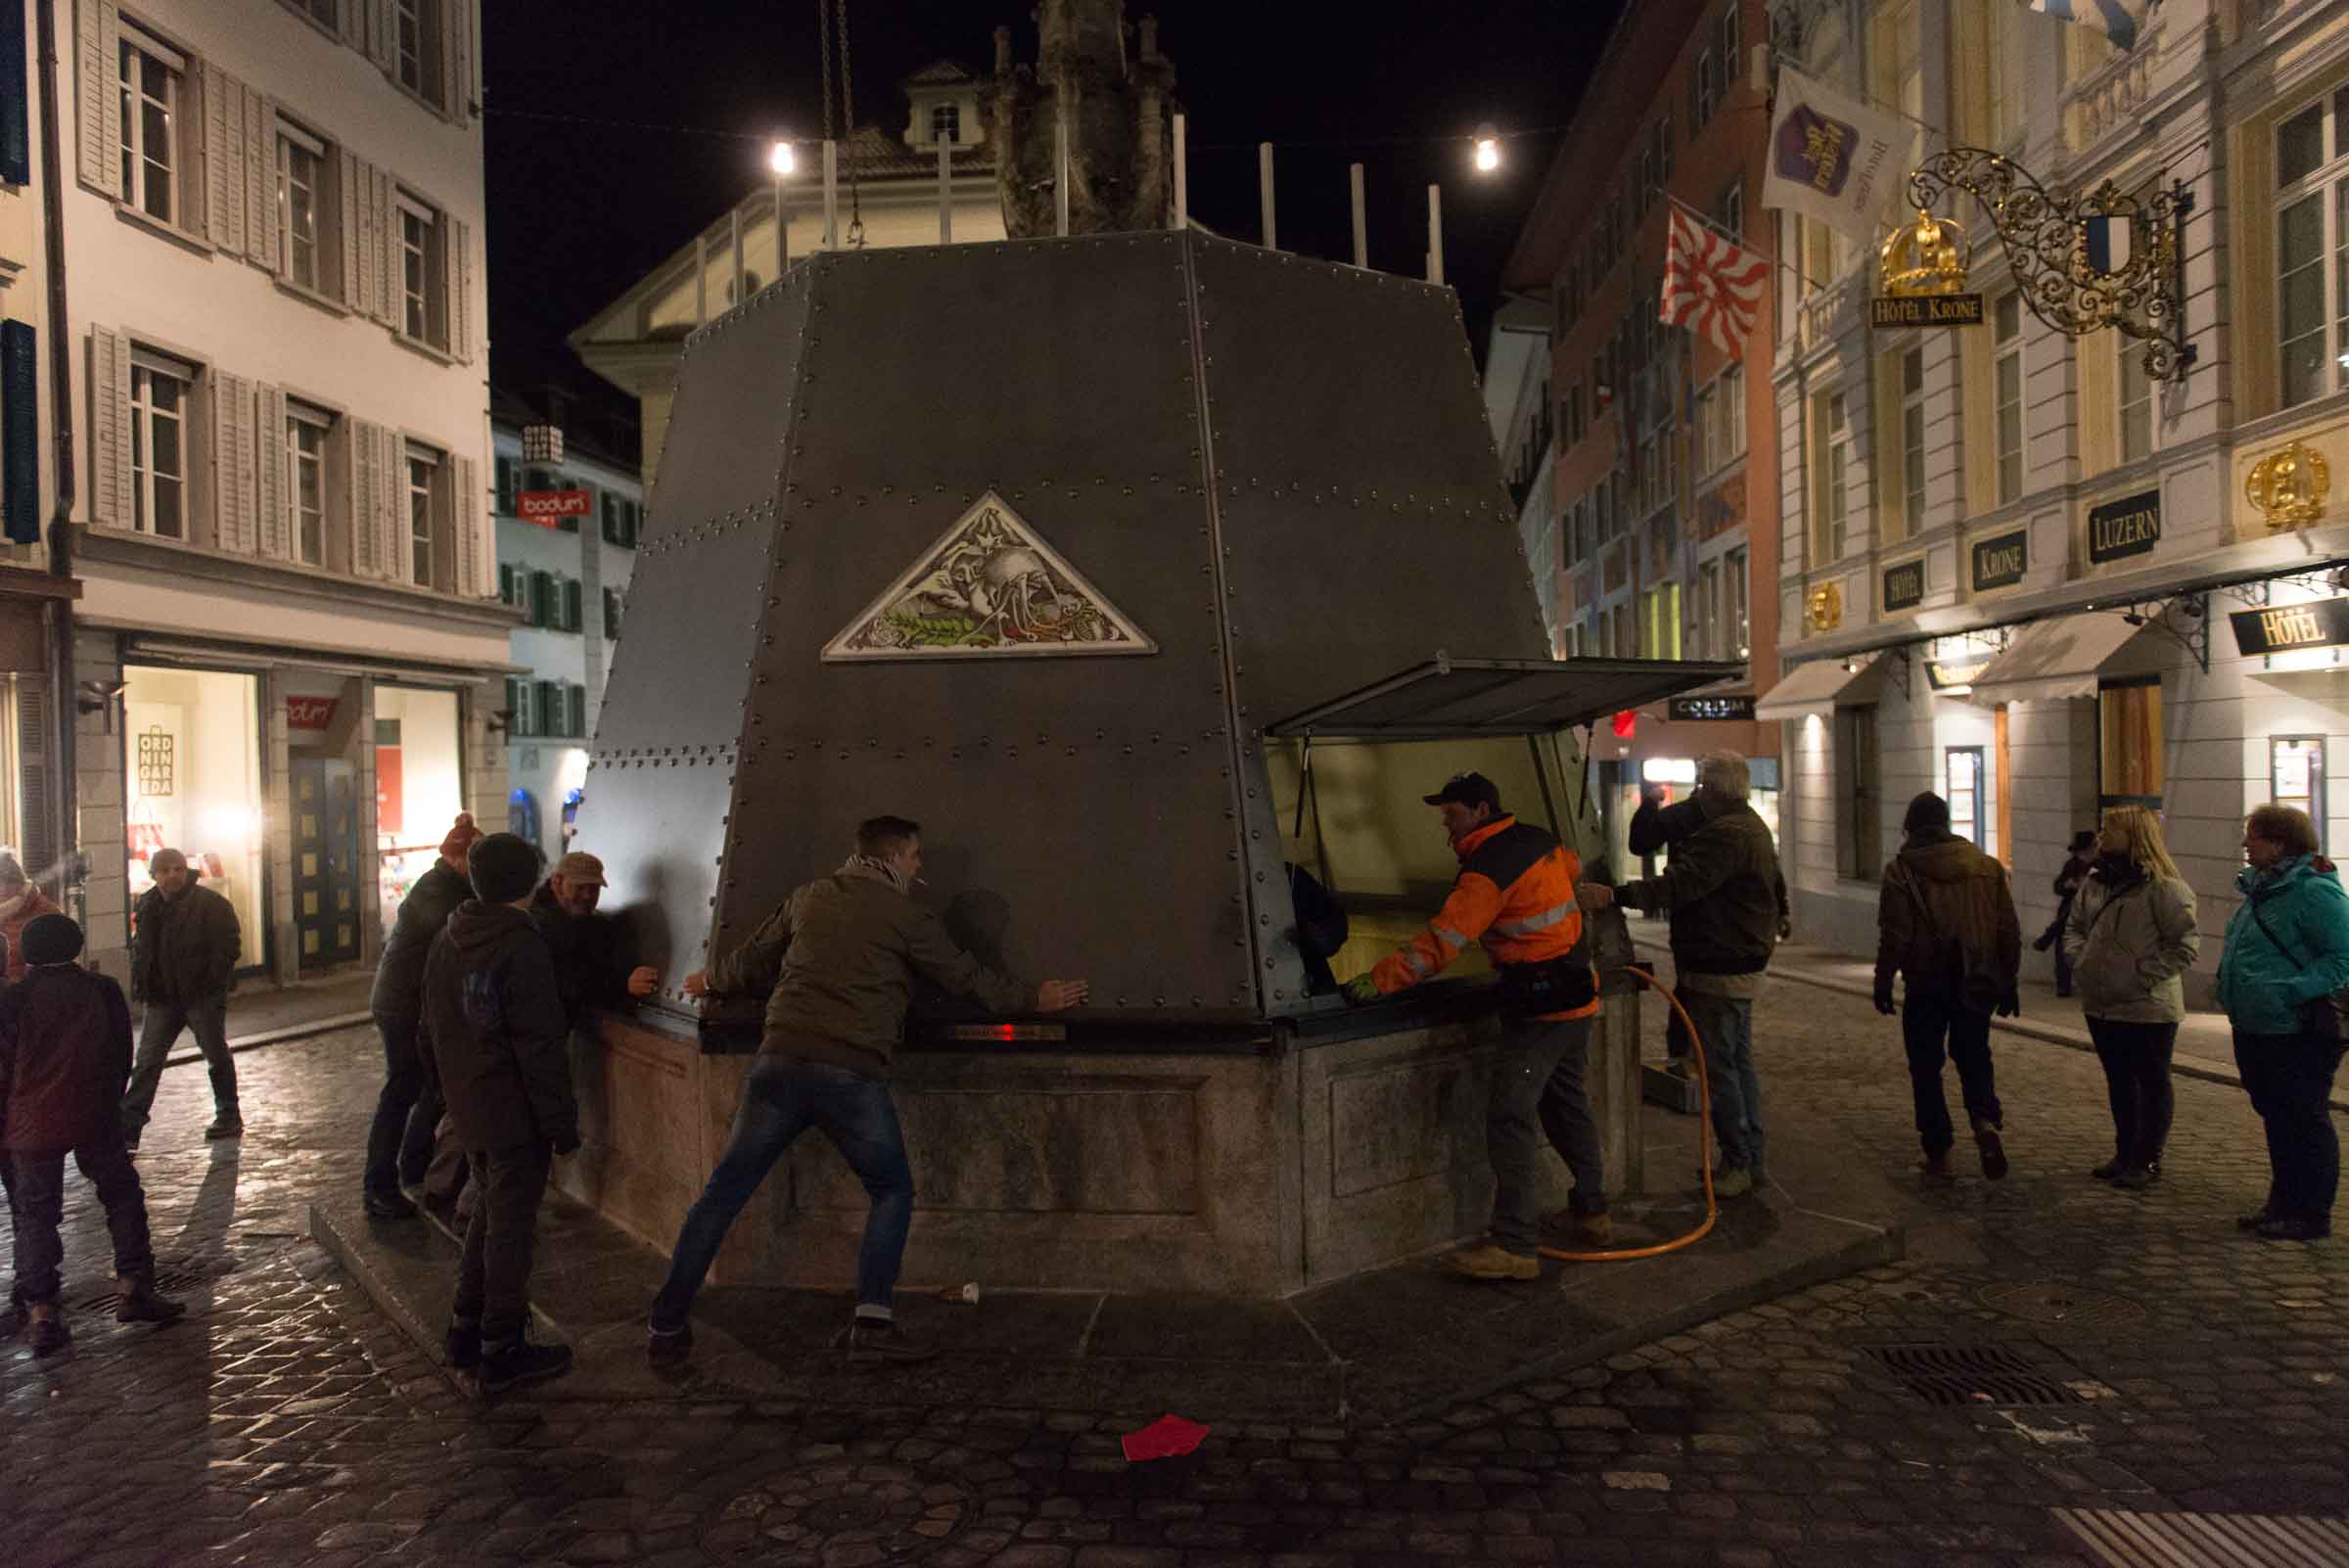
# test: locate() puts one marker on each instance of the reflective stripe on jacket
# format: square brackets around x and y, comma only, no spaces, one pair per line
[1515,894]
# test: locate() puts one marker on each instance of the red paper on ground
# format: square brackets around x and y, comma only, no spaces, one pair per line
[1168,1436]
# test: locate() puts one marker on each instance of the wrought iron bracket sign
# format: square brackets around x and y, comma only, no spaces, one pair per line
[2106,258]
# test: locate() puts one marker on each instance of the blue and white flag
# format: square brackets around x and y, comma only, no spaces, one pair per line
[2106,240]
[2118,20]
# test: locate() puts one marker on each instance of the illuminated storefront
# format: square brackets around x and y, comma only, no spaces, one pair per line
[419,784]
[193,781]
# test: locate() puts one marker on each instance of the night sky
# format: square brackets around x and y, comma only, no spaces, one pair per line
[581,207]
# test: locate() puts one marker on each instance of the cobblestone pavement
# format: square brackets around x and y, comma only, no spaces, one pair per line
[286,1422]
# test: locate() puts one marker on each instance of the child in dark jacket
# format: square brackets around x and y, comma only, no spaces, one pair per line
[495,1042]
[65,1055]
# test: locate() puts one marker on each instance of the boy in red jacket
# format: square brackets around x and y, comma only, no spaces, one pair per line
[65,1055]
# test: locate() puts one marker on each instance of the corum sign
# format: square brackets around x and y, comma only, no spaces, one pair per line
[548,508]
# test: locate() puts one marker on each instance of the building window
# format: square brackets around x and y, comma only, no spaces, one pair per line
[610,613]
[1739,618]
[2007,345]
[573,619]
[417,24]
[1706,644]
[2129,756]
[300,170]
[418,275]
[1961,771]
[306,431]
[2312,249]
[325,13]
[160,391]
[505,486]
[1859,843]
[945,122]
[542,599]
[424,470]
[1912,438]
[148,79]
[1835,464]
[2296,776]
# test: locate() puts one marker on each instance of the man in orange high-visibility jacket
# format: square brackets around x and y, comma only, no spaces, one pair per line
[1516,891]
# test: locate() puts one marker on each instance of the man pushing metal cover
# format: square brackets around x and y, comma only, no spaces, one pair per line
[1516,894]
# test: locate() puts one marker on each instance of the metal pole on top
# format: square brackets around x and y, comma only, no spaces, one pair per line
[831,194]
[946,192]
[1183,178]
[1060,165]
[1361,223]
[1435,234]
[1264,187]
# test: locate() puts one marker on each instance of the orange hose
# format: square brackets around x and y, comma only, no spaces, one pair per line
[1696,1048]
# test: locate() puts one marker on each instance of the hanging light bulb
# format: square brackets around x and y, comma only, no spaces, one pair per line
[1487,149]
[780,159]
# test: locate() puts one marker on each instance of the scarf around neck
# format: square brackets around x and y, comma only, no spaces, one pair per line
[876,868]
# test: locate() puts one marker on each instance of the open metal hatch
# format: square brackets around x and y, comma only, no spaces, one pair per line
[1445,697]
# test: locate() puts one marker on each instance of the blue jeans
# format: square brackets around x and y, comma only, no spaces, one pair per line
[1726,1026]
[784,1097]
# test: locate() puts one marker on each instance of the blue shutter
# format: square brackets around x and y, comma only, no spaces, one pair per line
[16,129]
[19,428]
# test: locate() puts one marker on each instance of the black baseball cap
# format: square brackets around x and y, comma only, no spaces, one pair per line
[1467,789]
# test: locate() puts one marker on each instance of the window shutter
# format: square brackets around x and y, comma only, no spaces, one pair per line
[224,122]
[231,411]
[260,180]
[550,716]
[37,845]
[542,599]
[383,216]
[512,728]
[399,543]
[468,529]
[110,428]
[16,125]
[275,497]
[354,241]
[352,21]
[572,618]
[366,497]
[505,583]
[611,614]
[505,486]
[459,273]
[579,712]
[19,436]
[383,41]
[456,55]
[98,39]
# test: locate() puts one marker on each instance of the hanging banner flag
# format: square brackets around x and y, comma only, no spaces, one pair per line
[2106,240]
[1711,287]
[2121,21]
[1833,158]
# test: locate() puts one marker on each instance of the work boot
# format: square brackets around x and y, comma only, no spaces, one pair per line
[141,1302]
[2292,1227]
[2135,1177]
[873,1340]
[1492,1260]
[2109,1168]
[49,1333]
[1732,1181]
[227,1124]
[462,1344]
[517,1361]
[1589,1230]
[390,1205]
[1992,1151]
[1935,1168]
[668,1347]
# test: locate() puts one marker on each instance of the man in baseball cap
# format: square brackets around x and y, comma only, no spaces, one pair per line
[591,961]
[1470,790]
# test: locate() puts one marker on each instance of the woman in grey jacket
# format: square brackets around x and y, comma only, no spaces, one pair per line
[2131,936]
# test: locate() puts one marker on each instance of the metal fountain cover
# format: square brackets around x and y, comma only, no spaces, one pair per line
[1030,542]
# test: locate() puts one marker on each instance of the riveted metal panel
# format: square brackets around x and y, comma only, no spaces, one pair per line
[660,823]
[1079,804]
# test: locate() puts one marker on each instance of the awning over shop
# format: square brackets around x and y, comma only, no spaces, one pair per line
[1445,698]
[1819,688]
[2048,661]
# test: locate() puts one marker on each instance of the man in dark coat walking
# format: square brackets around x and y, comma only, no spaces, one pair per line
[494,1042]
[184,947]
[64,1052]
[400,1139]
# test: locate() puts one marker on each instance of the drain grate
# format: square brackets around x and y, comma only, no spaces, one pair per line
[172,1272]
[1973,1375]
[2125,1540]
[2061,1306]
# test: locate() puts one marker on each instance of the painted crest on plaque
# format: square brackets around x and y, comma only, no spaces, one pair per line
[990,588]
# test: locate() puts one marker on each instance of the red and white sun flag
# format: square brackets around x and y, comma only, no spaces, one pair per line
[1711,287]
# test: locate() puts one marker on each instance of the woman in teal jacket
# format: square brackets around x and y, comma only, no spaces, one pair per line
[2287,951]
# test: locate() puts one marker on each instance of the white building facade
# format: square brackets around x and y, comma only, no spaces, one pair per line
[2017,569]
[571,585]
[291,638]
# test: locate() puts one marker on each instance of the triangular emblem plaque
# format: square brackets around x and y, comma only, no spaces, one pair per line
[991,587]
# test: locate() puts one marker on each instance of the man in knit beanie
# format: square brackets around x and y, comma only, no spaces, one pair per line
[494,1041]
[65,1055]
[400,1138]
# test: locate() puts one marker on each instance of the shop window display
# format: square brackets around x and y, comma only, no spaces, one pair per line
[193,771]
[419,784]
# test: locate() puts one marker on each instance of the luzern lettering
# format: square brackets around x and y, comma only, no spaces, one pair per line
[2130,526]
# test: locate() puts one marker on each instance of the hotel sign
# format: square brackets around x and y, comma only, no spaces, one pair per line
[1925,310]
[1904,585]
[2130,526]
[2001,561]
[2284,627]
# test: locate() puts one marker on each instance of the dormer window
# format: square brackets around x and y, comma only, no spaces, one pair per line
[945,122]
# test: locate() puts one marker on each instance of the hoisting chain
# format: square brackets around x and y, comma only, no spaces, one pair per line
[847,115]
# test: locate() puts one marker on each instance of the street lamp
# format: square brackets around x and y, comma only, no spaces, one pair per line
[780,160]
[1487,149]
